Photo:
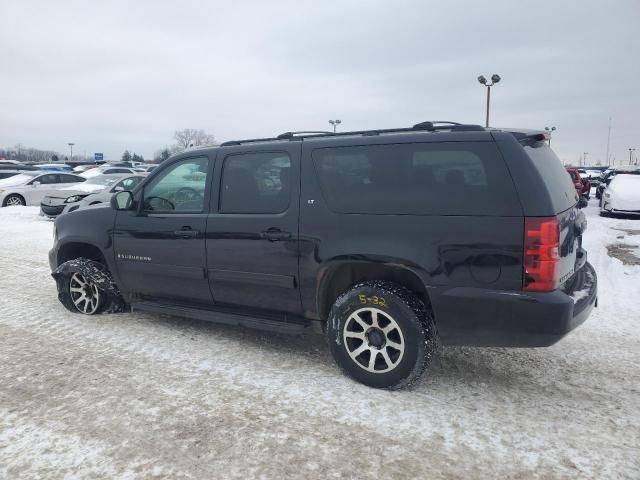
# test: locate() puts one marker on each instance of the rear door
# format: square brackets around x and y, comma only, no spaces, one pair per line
[252,232]
[160,248]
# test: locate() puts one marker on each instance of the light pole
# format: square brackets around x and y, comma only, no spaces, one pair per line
[584,158]
[495,78]
[550,129]
[71,149]
[631,150]
[335,124]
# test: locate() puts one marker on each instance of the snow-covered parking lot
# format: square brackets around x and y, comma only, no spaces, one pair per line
[144,396]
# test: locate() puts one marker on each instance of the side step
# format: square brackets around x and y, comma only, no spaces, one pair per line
[298,327]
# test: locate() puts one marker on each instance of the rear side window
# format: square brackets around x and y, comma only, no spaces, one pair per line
[559,184]
[452,178]
[256,183]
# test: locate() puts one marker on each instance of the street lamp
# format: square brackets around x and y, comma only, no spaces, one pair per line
[495,78]
[631,150]
[584,158]
[335,124]
[550,129]
[71,149]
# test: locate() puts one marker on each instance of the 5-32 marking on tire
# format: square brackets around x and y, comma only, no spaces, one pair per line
[372,300]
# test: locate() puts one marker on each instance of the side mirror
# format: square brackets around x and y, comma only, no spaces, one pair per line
[118,189]
[122,201]
[35,184]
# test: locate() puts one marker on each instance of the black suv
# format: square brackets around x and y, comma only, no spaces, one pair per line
[386,240]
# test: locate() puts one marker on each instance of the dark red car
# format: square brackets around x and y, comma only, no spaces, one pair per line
[583,186]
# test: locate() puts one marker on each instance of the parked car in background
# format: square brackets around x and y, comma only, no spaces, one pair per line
[54,167]
[18,166]
[609,174]
[9,173]
[84,168]
[582,184]
[622,195]
[145,168]
[53,204]
[593,176]
[107,170]
[29,188]
[103,196]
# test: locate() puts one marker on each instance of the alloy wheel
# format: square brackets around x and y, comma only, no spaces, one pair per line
[373,340]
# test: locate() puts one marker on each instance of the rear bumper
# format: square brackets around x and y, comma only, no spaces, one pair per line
[498,318]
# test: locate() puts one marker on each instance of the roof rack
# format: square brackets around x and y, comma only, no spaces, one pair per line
[423,126]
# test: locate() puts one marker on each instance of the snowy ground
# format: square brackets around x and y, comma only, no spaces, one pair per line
[144,396]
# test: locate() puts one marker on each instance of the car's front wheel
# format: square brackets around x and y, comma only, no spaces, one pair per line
[79,294]
[381,334]
[14,200]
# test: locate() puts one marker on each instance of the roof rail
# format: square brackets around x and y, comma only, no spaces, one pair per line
[301,135]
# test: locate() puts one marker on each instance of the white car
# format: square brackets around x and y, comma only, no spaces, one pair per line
[94,172]
[622,195]
[29,187]
[103,197]
[54,204]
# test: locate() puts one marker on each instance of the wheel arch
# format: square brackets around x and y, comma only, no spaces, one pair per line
[339,277]
[73,250]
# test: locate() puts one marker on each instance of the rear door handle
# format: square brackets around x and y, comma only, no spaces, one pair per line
[275,235]
[186,232]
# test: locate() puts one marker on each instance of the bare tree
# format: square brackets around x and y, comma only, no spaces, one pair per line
[190,137]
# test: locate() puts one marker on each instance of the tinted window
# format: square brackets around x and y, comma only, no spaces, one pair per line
[454,178]
[71,178]
[117,170]
[559,184]
[179,188]
[48,179]
[255,183]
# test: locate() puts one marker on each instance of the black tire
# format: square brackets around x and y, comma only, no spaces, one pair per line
[69,298]
[414,329]
[14,197]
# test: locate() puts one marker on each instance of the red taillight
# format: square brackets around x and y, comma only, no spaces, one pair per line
[541,253]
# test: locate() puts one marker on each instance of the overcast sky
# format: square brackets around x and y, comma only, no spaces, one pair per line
[115,75]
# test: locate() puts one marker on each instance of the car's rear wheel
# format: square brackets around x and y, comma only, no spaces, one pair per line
[14,200]
[381,334]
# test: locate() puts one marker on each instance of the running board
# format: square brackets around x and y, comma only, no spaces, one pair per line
[298,327]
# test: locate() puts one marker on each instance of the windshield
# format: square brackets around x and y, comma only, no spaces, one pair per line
[106,180]
[17,179]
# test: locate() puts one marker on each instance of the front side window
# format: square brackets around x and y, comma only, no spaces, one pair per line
[256,183]
[179,188]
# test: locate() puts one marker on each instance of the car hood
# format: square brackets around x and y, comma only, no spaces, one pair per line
[625,195]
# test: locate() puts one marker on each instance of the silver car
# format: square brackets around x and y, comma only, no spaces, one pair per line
[54,203]
[104,196]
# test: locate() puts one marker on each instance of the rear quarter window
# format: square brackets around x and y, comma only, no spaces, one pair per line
[558,182]
[449,178]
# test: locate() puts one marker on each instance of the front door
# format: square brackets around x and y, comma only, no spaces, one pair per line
[252,238]
[160,247]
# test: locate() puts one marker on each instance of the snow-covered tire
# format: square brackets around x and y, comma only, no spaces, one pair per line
[386,322]
[14,200]
[79,294]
